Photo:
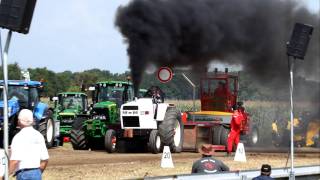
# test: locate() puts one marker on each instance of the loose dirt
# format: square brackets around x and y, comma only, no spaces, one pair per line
[65,163]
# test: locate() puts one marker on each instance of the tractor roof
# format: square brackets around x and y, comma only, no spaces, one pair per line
[22,83]
[219,75]
[72,93]
[114,82]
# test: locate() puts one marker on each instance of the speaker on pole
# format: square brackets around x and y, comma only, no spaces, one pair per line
[297,46]
[16,15]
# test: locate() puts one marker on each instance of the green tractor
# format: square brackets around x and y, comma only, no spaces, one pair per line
[99,131]
[68,107]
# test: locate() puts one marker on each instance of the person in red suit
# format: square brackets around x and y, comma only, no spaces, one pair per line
[234,135]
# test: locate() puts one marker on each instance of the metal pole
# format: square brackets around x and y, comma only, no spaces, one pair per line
[4,57]
[291,176]
[193,93]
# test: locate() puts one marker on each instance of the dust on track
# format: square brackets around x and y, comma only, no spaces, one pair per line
[66,163]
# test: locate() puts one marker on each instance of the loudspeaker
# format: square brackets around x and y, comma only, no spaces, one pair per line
[16,15]
[299,41]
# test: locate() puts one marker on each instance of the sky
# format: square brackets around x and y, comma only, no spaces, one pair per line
[77,35]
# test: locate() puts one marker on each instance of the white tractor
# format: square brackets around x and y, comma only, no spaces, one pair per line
[155,121]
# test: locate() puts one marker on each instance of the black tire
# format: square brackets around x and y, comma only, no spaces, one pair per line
[110,141]
[61,141]
[46,128]
[78,137]
[122,146]
[168,132]
[224,135]
[154,144]
[216,135]
[253,138]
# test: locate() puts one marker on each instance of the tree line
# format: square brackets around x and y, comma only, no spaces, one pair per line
[177,88]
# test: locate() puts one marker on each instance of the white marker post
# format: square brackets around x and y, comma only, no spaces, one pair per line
[240,153]
[166,160]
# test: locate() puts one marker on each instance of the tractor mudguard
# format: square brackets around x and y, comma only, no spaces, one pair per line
[161,111]
[14,107]
[40,111]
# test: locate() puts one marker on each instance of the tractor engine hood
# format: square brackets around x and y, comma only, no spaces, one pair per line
[13,107]
[142,114]
[68,112]
[104,105]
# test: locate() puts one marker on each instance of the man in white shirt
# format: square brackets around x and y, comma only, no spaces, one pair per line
[29,154]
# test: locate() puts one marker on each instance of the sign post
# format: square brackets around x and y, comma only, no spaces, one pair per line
[296,47]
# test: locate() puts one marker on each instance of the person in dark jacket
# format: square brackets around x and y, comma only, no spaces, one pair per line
[208,164]
[265,173]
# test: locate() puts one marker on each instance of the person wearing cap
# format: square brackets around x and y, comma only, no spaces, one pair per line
[29,154]
[208,164]
[265,173]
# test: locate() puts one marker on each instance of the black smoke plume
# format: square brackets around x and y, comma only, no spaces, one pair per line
[251,33]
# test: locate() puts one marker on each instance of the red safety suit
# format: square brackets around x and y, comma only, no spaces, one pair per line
[234,135]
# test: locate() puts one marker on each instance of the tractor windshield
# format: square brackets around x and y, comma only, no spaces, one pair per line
[72,102]
[18,92]
[217,94]
[110,93]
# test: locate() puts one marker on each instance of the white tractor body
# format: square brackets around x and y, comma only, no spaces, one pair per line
[142,114]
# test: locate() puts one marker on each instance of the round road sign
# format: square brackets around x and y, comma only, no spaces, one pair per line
[164,74]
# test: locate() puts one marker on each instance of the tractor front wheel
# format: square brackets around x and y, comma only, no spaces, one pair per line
[155,145]
[46,128]
[224,135]
[171,130]
[253,138]
[216,134]
[110,141]
[78,137]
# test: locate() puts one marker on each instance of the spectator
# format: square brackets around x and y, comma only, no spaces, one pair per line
[207,164]
[29,155]
[265,173]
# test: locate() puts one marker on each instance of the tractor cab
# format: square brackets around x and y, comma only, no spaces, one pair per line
[73,101]
[218,92]
[118,92]
[26,93]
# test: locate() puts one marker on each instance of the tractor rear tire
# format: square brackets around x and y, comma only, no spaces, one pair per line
[46,128]
[155,145]
[78,137]
[216,135]
[253,138]
[110,141]
[224,136]
[171,130]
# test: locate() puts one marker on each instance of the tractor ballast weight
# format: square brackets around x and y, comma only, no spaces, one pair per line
[98,131]
[68,107]
[157,123]
[25,95]
[218,94]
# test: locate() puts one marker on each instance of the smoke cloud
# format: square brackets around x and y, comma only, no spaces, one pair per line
[250,33]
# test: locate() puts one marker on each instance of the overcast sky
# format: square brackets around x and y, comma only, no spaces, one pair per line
[76,35]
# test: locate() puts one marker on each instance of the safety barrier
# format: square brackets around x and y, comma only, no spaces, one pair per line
[302,172]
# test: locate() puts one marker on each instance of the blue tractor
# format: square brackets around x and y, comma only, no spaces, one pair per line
[25,95]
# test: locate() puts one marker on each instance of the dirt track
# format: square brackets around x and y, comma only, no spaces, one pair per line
[68,164]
